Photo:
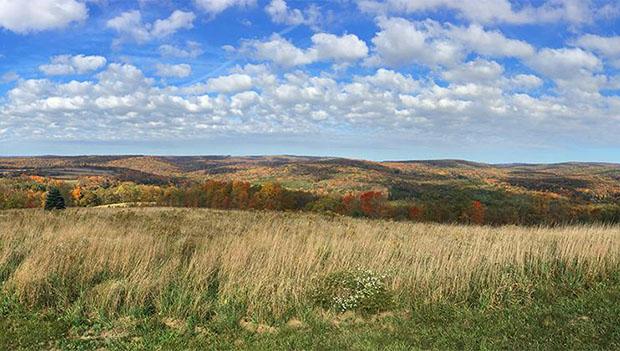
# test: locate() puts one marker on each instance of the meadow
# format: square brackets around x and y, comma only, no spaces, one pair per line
[160,278]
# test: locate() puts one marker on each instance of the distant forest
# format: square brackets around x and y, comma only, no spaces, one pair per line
[442,205]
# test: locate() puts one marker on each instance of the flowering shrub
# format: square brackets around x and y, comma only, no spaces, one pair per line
[361,290]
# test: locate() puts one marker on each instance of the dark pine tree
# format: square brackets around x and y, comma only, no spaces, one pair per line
[54,200]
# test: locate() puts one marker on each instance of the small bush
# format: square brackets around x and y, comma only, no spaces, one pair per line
[359,290]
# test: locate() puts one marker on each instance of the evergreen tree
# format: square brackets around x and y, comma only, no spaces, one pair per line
[54,200]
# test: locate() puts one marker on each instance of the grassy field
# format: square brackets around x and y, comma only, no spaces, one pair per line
[202,279]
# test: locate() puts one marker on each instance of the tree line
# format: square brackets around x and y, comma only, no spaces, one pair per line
[32,192]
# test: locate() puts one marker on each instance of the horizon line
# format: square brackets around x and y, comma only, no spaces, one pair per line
[514,163]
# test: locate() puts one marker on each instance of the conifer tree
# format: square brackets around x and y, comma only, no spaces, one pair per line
[54,200]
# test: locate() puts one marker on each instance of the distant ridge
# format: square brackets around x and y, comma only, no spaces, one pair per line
[444,163]
[581,182]
[290,157]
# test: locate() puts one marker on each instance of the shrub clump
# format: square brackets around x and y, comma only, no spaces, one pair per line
[359,290]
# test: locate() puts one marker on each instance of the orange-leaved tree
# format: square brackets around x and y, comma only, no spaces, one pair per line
[415,213]
[371,203]
[477,212]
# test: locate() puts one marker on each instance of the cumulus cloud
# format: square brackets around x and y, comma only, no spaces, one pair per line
[122,103]
[390,81]
[192,49]
[215,7]
[178,71]
[489,11]
[575,72]
[475,71]
[177,20]
[278,50]
[129,25]
[527,81]
[280,13]
[401,42]
[481,72]
[445,47]
[345,48]
[24,17]
[466,89]
[608,47]
[229,84]
[67,64]
[565,63]
[491,43]
[325,47]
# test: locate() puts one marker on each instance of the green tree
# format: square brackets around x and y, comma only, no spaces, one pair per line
[89,199]
[54,200]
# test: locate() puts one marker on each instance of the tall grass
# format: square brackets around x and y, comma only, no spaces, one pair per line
[186,262]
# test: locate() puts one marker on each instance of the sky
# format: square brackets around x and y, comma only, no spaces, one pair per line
[485,80]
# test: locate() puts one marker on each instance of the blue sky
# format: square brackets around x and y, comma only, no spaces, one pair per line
[485,80]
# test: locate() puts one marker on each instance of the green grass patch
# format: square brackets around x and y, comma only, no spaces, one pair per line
[588,320]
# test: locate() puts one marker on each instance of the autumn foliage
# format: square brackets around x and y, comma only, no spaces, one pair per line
[371,203]
[30,192]
[415,213]
[477,212]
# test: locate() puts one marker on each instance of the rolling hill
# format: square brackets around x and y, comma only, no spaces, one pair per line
[578,182]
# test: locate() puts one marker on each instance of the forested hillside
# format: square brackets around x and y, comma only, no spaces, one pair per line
[437,191]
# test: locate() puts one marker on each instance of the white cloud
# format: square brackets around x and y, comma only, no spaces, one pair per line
[243,101]
[475,71]
[25,16]
[236,82]
[391,80]
[402,42]
[278,50]
[344,48]
[608,11]
[325,47]
[214,7]
[192,49]
[608,47]
[481,72]
[121,103]
[491,43]
[129,25]
[527,81]
[564,63]
[575,72]
[280,13]
[122,79]
[67,64]
[178,71]
[489,11]
[9,77]
[229,84]
[177,20]
[83,64]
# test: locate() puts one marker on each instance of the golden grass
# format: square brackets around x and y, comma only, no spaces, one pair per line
[182,261]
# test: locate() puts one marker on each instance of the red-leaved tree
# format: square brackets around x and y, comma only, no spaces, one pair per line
[477,212]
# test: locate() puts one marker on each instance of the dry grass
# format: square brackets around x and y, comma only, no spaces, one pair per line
[182,262]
